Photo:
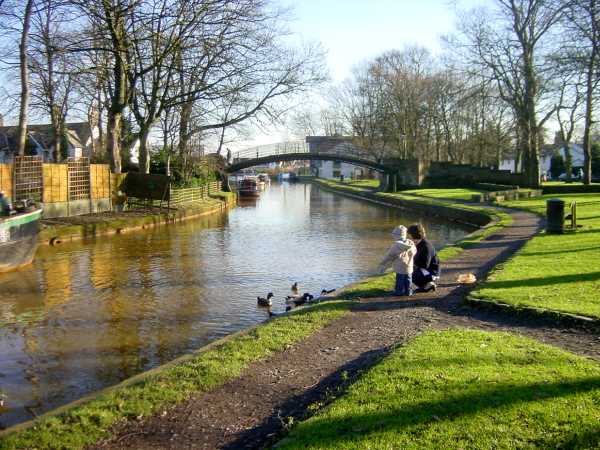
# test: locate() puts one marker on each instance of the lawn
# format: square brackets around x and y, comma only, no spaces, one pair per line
[461,389]
[351,185]
[87,423]
[556,272]
[449,194]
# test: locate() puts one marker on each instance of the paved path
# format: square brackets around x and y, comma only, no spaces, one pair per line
[253,410]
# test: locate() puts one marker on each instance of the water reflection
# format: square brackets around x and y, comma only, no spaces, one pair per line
[87,315]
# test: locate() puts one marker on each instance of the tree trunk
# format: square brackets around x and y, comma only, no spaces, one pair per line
[587,138]
[144,151]
[57,129]
[23,113]
[184,137]
[568,160]
[114,139]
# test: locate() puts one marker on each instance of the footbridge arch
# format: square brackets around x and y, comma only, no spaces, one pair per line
[395,171]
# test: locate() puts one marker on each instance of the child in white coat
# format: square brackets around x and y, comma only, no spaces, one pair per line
[400,255]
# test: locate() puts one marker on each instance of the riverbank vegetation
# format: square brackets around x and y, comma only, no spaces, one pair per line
[559,272]
[464,389]
[164,388]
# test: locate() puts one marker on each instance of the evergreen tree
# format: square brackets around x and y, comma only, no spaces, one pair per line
[596,159]
[557,165]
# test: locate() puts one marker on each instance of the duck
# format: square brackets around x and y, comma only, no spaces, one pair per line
[327,291]
[295,287]
[298,300]
[262,301]
[271,313]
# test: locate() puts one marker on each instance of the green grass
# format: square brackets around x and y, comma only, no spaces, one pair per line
[450,194]
[370,184]
[555,272]
[89,422]
[350,185]
[462,389]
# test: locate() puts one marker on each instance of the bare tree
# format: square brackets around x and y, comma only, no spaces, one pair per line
[583,21]
[53,76]
[511,53]
[568,114]
[24,72]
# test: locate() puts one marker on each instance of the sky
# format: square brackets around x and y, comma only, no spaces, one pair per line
[352,31]
[355,30]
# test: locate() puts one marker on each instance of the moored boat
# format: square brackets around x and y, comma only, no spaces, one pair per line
[248,187]
[18,238]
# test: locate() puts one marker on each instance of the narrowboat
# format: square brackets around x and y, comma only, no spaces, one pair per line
[19,237]
[248,187]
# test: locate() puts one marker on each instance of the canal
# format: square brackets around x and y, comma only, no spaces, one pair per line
[87,315]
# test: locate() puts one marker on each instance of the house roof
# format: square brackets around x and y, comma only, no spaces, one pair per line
[77,134]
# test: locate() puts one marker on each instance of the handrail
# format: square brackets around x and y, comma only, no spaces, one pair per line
[298,147]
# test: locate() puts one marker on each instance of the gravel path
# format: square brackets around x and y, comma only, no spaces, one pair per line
[254,410]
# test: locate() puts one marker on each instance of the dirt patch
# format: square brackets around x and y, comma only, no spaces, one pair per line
[254,410]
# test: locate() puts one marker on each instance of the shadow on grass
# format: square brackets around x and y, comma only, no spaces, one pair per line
[296,407]
[333,433]
[542,281]
[586,438]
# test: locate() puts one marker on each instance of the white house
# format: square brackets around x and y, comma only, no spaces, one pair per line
[336,169]
[546,157]
[341,145]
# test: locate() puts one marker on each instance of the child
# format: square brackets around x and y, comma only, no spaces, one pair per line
[401,254]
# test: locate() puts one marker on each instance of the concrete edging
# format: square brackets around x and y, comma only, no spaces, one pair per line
[564,318]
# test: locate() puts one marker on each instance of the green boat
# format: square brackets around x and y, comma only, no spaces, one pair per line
[18,238]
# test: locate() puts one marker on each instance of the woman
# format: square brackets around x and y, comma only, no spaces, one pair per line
[426,262]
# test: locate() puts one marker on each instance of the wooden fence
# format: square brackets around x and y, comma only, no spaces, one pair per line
[191,195]
[6,179]
[100,180]
[56,188]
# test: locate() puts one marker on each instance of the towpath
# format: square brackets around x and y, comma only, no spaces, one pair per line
[254,410]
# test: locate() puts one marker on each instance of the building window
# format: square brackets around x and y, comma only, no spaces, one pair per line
[337,164]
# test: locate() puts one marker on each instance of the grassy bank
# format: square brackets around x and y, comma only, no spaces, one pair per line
[464,389]
[555,272]
[149,393]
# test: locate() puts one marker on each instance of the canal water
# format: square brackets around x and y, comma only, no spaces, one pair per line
[87,315]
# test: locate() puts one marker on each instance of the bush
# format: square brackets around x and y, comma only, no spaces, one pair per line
[596,159]
[557,166]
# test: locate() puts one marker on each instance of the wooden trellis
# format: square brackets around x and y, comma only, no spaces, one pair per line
[28,178]
[79,178]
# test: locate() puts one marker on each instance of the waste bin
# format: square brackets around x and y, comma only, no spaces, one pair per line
[555,216]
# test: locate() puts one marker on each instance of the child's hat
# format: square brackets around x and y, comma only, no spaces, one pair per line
[399,232]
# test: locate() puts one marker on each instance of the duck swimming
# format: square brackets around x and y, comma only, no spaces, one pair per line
[327,291]
[298,300]
[295,287]
[262,301]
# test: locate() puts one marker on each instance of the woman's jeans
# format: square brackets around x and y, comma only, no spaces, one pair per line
[403,281]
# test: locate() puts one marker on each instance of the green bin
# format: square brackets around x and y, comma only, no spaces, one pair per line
[555,216]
